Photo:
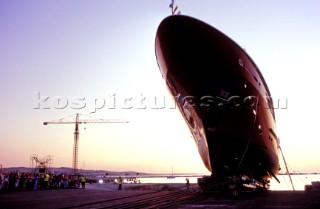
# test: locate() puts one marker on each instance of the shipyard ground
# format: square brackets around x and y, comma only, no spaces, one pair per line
[154,196]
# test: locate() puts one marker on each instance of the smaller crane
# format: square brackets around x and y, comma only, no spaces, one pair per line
[76,133]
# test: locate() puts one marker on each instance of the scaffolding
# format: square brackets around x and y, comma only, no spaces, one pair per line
[40,164]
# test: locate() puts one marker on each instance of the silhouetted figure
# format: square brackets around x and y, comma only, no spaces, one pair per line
[187,183]
[119,183]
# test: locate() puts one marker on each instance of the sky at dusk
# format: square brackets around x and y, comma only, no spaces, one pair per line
[97,58]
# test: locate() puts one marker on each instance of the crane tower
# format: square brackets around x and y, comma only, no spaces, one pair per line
[76,133]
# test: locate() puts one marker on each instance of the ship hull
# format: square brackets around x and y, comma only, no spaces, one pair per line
[222,96]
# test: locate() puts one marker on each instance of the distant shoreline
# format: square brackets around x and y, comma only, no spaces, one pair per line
[122,173]
[97,172]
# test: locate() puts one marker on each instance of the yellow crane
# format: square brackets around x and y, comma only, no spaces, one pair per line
[77,122]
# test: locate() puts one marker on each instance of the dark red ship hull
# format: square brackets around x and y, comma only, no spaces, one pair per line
[222,96]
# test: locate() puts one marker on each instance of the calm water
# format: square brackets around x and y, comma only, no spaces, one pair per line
[299,181]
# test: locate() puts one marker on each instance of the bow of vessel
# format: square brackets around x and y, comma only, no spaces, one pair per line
[222,96]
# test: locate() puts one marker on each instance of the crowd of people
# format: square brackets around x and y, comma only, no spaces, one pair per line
[15,181]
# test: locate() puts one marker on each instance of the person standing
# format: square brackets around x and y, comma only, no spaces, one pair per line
[1,177]
[119,183]
[187,183]
[83,182]
[46,181]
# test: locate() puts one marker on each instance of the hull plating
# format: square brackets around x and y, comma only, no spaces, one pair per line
[222,96]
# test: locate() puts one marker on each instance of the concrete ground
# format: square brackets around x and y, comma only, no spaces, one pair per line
[153,196]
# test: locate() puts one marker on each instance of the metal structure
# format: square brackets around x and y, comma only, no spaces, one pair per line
[40,163]
[77,122]
[285,163]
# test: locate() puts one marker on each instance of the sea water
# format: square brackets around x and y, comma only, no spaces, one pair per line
[298,180]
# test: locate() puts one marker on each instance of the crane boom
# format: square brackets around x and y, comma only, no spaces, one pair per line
[76,133]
